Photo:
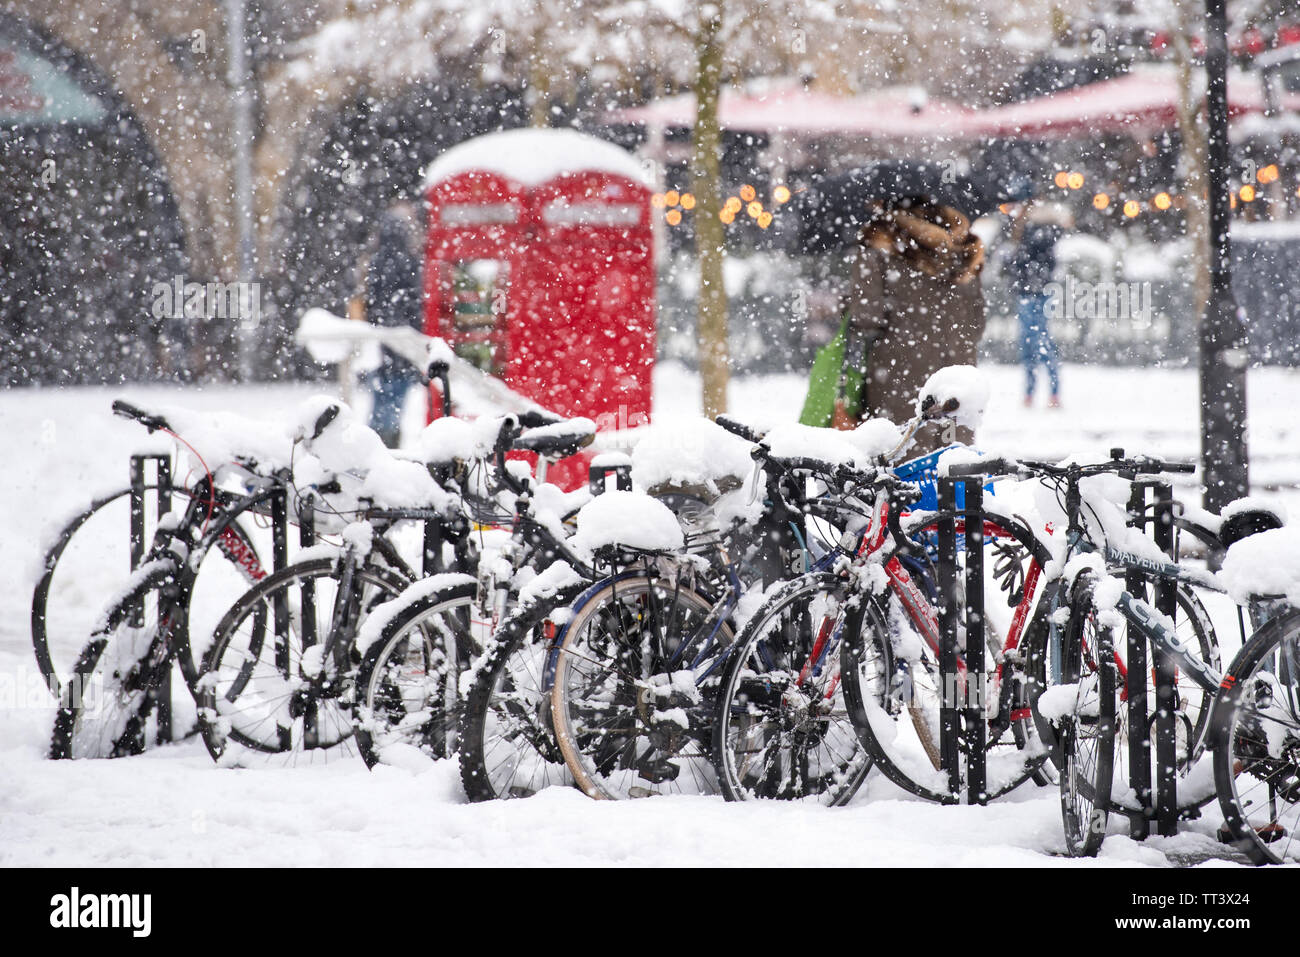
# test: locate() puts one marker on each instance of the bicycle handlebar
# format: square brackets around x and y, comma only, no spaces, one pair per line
[738,428]
[842,473]
[1141,465]
[792,463]
[998,466]
[1184,468]
[150,421]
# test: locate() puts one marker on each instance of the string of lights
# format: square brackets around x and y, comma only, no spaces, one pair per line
[676,203]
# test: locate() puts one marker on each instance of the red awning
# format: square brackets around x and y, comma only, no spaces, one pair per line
[892,113]
[1141,102]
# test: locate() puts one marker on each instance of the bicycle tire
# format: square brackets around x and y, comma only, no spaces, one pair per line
[262,725]
[647,757]
[911,691]
[387,702]
[1255,738]
[1087,779]
[769,743]
[118,664]
[45,584]
[507,747]
[1041,665]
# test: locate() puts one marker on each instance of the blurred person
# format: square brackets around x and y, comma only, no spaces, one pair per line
[392,298]
[1035,231]
[915,307]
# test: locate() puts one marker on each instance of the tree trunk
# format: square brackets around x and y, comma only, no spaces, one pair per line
[706,175]
[540,70]
[1192,158]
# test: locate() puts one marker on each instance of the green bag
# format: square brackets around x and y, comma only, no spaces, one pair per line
[824,383]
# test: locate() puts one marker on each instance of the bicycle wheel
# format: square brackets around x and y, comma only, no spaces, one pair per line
[1255,737]
[902,731]
[268,694]
[87,559]
[1085,703]
[1193,705]
[636,675]
[782,729]
[507,748]
[106,702]
[408,683]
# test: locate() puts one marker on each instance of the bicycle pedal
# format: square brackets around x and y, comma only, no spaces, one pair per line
[657,771]
[1268,833]
[1271,833]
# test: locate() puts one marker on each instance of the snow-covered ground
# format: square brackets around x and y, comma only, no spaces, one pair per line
[173,806]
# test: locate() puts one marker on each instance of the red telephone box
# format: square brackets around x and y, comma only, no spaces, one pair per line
[540,270]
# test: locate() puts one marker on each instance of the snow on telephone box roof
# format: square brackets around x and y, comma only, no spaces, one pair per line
[531,157]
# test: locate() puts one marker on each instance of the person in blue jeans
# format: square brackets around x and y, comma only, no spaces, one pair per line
[1037,347]
[393,299]
[1036,230]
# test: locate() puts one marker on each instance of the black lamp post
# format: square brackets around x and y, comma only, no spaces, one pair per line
[1222,333]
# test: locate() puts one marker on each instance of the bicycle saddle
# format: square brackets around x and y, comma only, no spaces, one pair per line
[1243,518]
[559,440]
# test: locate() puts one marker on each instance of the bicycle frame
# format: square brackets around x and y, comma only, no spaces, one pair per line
[1149,622]
[700,647]
[924,617]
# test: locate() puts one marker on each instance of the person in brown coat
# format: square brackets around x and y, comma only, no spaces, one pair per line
[916,306]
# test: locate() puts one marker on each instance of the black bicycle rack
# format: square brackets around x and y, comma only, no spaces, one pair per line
[162,469]
[1152,503]
[278,507]
[963,722]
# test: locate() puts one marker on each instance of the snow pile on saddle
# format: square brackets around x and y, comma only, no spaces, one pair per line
[347,447]
[1253,503]
[1267,563]
[792,440]
[688,452]
[578,427]
[627,520]
[875,437]
[450,439]
[965,384]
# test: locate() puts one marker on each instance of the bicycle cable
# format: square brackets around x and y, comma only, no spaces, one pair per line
[212,489]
